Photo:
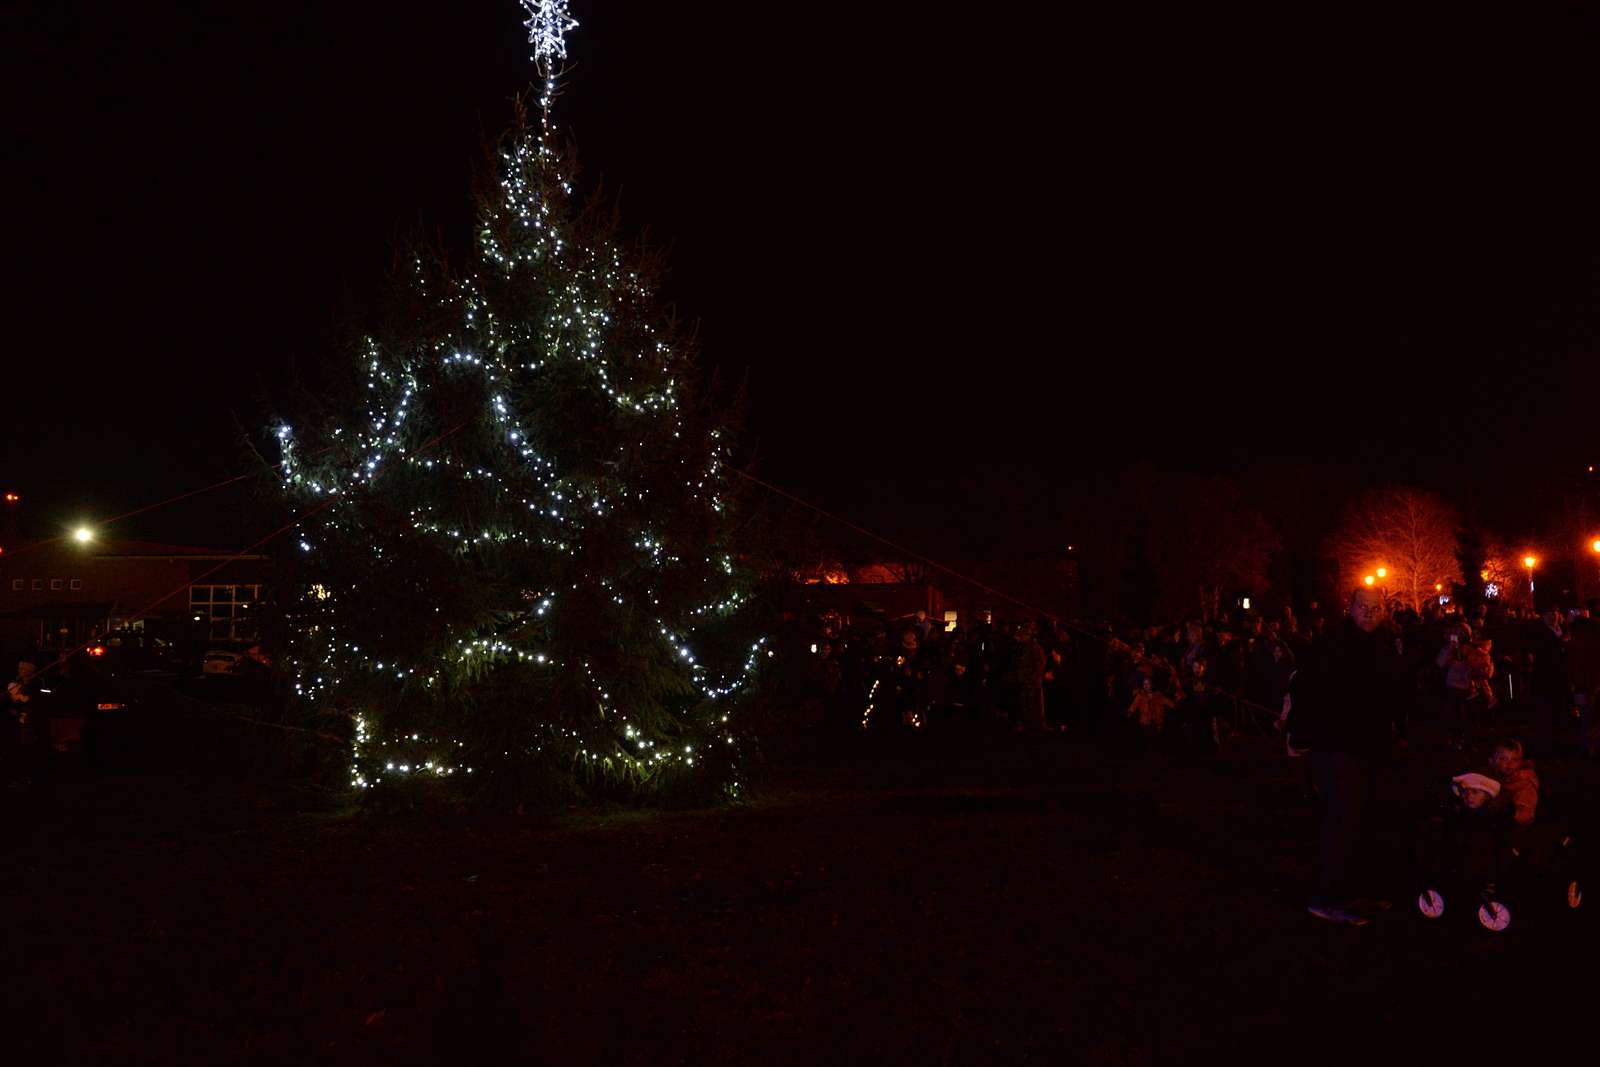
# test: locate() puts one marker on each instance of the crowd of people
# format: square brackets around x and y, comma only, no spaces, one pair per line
[1344,691]
[1183,684]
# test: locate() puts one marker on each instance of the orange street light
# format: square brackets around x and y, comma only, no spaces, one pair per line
[1596,545]
[1383,572]
[1528,562]
[1369,579]
[1438,587]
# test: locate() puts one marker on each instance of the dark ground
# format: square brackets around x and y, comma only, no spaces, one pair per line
[908,900]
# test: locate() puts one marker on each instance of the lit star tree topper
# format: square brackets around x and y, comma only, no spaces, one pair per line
[548,22]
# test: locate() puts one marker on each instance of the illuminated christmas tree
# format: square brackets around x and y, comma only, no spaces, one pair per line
[515,569]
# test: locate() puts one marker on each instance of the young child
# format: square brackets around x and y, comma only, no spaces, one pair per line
[1473,795]
[1519,782]
[1480,668]
[1470,830]
[1149,709]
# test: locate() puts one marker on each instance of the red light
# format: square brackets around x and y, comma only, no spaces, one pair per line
[97,650]
[12,498]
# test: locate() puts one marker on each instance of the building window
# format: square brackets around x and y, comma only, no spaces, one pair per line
[58,633]
[36,584]
[77,583]
[229,611]
[17,585]
[950,618]
[55,584]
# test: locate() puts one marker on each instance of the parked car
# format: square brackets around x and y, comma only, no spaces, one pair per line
[124,651]
[222,661]
[89,707]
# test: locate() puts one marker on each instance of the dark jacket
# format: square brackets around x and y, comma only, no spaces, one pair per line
[1549,654]
[1347,693]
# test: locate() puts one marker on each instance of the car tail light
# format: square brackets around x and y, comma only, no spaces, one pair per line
[108,707]
[97,650]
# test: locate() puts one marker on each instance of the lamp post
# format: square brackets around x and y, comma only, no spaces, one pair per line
[1594,546]
[1528,562]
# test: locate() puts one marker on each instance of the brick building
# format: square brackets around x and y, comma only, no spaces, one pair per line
[58,594]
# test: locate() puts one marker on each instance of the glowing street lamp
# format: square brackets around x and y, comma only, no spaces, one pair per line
[1528,562]
[83,535]
[1369,579]
[1383,572]
[1596,545]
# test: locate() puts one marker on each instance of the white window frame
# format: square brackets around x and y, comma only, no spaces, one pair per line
[228,624]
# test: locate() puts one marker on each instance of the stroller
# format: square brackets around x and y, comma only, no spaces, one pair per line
[1467,861]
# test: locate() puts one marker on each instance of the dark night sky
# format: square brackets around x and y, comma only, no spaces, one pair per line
[944,251]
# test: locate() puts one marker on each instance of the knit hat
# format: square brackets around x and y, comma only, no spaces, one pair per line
[1473,780]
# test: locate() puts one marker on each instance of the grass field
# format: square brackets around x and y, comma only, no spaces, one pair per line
[908,899]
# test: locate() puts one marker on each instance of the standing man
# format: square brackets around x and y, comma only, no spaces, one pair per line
[1028,668]
[1547,676]
[1583,667]
[1345,705]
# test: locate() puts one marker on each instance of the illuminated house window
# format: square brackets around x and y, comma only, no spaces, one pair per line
[77,583]
[55,583]
[18,585]
[229,611]
[949,621]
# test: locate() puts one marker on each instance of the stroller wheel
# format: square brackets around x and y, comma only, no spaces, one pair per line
[1574,893]
[1431,903]
[1494,915]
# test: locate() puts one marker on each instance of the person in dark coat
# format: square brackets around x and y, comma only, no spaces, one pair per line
[1345,703]
[25,738]
[1028,670]
[1583,667]
[1548,682]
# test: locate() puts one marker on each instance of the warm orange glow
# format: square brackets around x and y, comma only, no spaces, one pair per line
[1529,561]
[1438,587]
[1595,546]
[1383,572]
[12,498]
[97,650]
[1369,579]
